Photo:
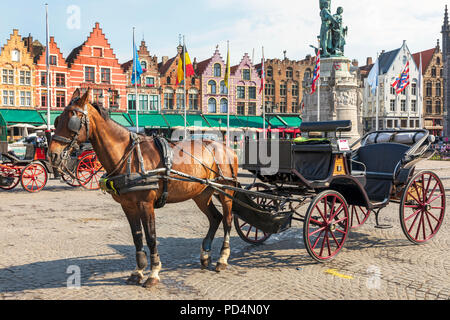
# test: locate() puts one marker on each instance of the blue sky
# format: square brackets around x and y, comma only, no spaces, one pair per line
[290,25]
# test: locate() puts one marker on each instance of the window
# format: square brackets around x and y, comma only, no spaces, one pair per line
[52,60]
[429,89]
[438,89]
[193,81]
[44,79]
[60,99]
[223,88]
[25,98]
[180,101]
[389,124]
[217,70]
[403,105]
[223,105]
[60,80]
[89,74]
[270,89]
[392,105]
[168,80]
[212,105]
[114,98]
[414,89]
[295,90]
[429,107]
[283,108]
[252,92]
[150,81]
[240,92]
[44,98]
[438,60]
[269,72]
[246,74]
[15,55]
[307,74]
[413,105]
[252,108]
[8,76]
[97,52]
[433,72]
[392,90]
[295,108]
[25,78]
[240,108]
[403,123]
[212,86]
[98,97]
[143,102]
[106,75]
[193,101]
[289,73]
[131,102]
[144,66]
[283,89]
[438,107]
[168,101]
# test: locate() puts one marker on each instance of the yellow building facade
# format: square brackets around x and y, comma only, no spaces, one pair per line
[17,78]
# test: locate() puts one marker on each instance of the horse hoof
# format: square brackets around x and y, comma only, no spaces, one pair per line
[205,263]
[150,282]
[220,266]
[135,279]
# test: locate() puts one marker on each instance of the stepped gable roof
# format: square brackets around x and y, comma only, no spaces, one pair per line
[163,68]
[201,66]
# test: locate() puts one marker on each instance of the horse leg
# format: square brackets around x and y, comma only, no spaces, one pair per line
[227,204]
[205,204]
[149,223]
[141,258]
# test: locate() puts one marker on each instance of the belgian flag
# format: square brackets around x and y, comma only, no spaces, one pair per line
[184,63]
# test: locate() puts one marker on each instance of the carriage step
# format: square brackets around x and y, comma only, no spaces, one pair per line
[383,226]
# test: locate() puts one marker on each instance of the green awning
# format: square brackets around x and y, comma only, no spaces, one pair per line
[251,121]
[196,120]
[122,119]
[174,120]
[292,121]
[53,115]
[150,120]
[220,121]
[15,116]
[275,122]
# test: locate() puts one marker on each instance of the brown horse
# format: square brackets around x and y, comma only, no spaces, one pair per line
[111,142]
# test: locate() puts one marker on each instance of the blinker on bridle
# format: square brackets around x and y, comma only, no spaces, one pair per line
[74,125]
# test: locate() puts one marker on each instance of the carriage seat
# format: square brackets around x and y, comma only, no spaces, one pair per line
[379,163]
[312,161]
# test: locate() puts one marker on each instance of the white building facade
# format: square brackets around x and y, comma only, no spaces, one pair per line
[402,110]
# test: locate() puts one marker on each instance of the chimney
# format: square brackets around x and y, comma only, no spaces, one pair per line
[369,61]
[164,59]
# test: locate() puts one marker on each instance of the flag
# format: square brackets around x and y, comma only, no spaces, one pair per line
[303,106]
[372,79]
[402,81]
[227,71]
[316,73]
[263,76]
[184,62]
[137,68]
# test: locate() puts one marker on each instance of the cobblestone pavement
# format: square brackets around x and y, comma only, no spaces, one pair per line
[48,236]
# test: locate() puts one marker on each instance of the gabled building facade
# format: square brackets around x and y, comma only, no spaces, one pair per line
[17,72]
[394,110]
[94,65]
[148,85]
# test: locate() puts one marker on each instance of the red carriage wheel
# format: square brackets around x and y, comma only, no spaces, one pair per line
[9,171]
[247,232]
[422,207]
[89,171]
[34,177]
[326,225]
[359,216]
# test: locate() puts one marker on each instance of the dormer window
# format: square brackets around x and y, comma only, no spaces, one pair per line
[15,55]
[98,52]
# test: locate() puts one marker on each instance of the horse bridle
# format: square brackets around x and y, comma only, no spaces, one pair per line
[74,125]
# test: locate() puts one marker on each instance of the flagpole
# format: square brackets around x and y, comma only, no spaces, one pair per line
[228,104]
[419,95]
[318,88]
[262,102]
[135,84]
[48,67]
[377,102]
[184,85]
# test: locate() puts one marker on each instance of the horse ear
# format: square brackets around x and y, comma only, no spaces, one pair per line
[75,95]
[85,98]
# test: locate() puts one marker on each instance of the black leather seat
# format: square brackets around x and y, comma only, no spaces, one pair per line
[313,161]
[380,162]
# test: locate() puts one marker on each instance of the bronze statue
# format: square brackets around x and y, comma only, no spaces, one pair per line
[332,34]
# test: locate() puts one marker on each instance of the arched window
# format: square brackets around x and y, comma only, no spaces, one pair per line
[223,105]
[212,105]
[429,89]
[307,75]
[168,80]
[269,72]
[223,88]
[217,70]
[212,86]
[144,65]
[438,60]
[433,72]
[289,73]
[438,89]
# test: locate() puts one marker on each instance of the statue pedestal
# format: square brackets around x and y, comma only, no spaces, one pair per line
[339,99]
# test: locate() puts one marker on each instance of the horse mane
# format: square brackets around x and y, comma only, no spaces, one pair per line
[102,111]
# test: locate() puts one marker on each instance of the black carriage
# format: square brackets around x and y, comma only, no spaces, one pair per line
[343,184]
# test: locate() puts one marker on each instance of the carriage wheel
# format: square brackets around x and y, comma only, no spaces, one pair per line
[10,172]
[34,177]
[71,181]
[247,232]
[326,225]
[422,207]
[89,172]
[359,216]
